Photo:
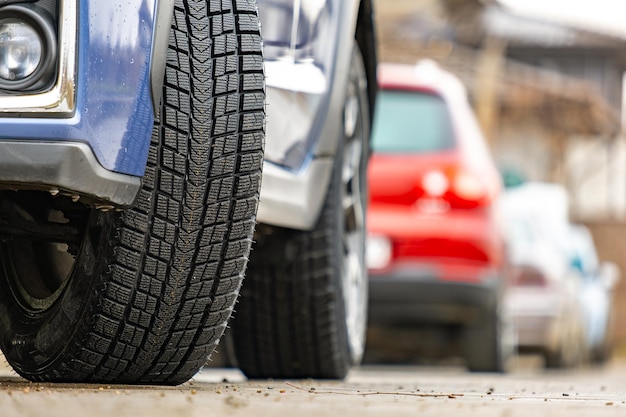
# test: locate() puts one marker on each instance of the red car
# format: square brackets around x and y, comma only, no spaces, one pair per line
[436,247]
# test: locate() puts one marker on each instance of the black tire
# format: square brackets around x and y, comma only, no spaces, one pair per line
[556,360]
[602,353]
[570,353]
[487,348]
[296,318]
[143,296]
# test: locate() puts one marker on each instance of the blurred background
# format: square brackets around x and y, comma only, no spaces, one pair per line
[545,79]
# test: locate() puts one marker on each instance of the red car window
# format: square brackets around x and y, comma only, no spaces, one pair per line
[411,122]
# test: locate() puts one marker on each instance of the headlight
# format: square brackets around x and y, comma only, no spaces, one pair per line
[378,252]
[28,50]
[20,50]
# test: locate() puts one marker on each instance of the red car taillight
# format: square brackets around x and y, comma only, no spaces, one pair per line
[378,252]
[452,188]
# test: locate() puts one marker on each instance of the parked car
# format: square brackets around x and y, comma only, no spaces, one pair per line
[596,292]
[436,247]
[132,138]
[544,298]
[302,311]
[131,148]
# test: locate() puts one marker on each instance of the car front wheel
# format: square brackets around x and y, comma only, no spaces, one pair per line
[143,296]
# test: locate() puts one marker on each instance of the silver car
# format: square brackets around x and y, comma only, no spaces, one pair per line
[302,310]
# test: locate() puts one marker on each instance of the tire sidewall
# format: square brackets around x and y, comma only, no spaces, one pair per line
[32,341]
[357,82]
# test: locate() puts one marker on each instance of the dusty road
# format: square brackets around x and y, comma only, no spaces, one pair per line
[369,391]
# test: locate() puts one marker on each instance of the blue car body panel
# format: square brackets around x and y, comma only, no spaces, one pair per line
[113,112]
[121,50]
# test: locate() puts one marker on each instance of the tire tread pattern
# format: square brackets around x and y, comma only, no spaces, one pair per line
[181,252]
[287,324]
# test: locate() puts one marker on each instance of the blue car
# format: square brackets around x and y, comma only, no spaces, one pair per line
[132,143]
[131,152]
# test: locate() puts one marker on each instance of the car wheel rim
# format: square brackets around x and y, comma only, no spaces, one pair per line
[352,202]
[37,270]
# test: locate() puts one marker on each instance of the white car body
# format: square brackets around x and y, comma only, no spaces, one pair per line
[548,316]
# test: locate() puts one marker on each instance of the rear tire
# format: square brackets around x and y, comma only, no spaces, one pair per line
[488,345]
[570,353]
[303,307]
[143,296]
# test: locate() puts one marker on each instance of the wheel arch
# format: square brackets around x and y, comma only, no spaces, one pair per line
[294,199]
[158,55]
[366,39]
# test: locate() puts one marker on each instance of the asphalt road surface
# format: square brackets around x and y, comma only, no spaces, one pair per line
[369,391]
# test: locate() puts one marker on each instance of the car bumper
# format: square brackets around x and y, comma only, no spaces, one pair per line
[65,168]
[539,316]
[465,236]
[291,199]
[536,333]
[401,301]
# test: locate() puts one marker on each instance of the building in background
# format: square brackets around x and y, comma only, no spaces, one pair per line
[549,95]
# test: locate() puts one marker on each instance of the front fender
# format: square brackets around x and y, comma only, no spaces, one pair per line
[163,22]
[108,97]
[308,47]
